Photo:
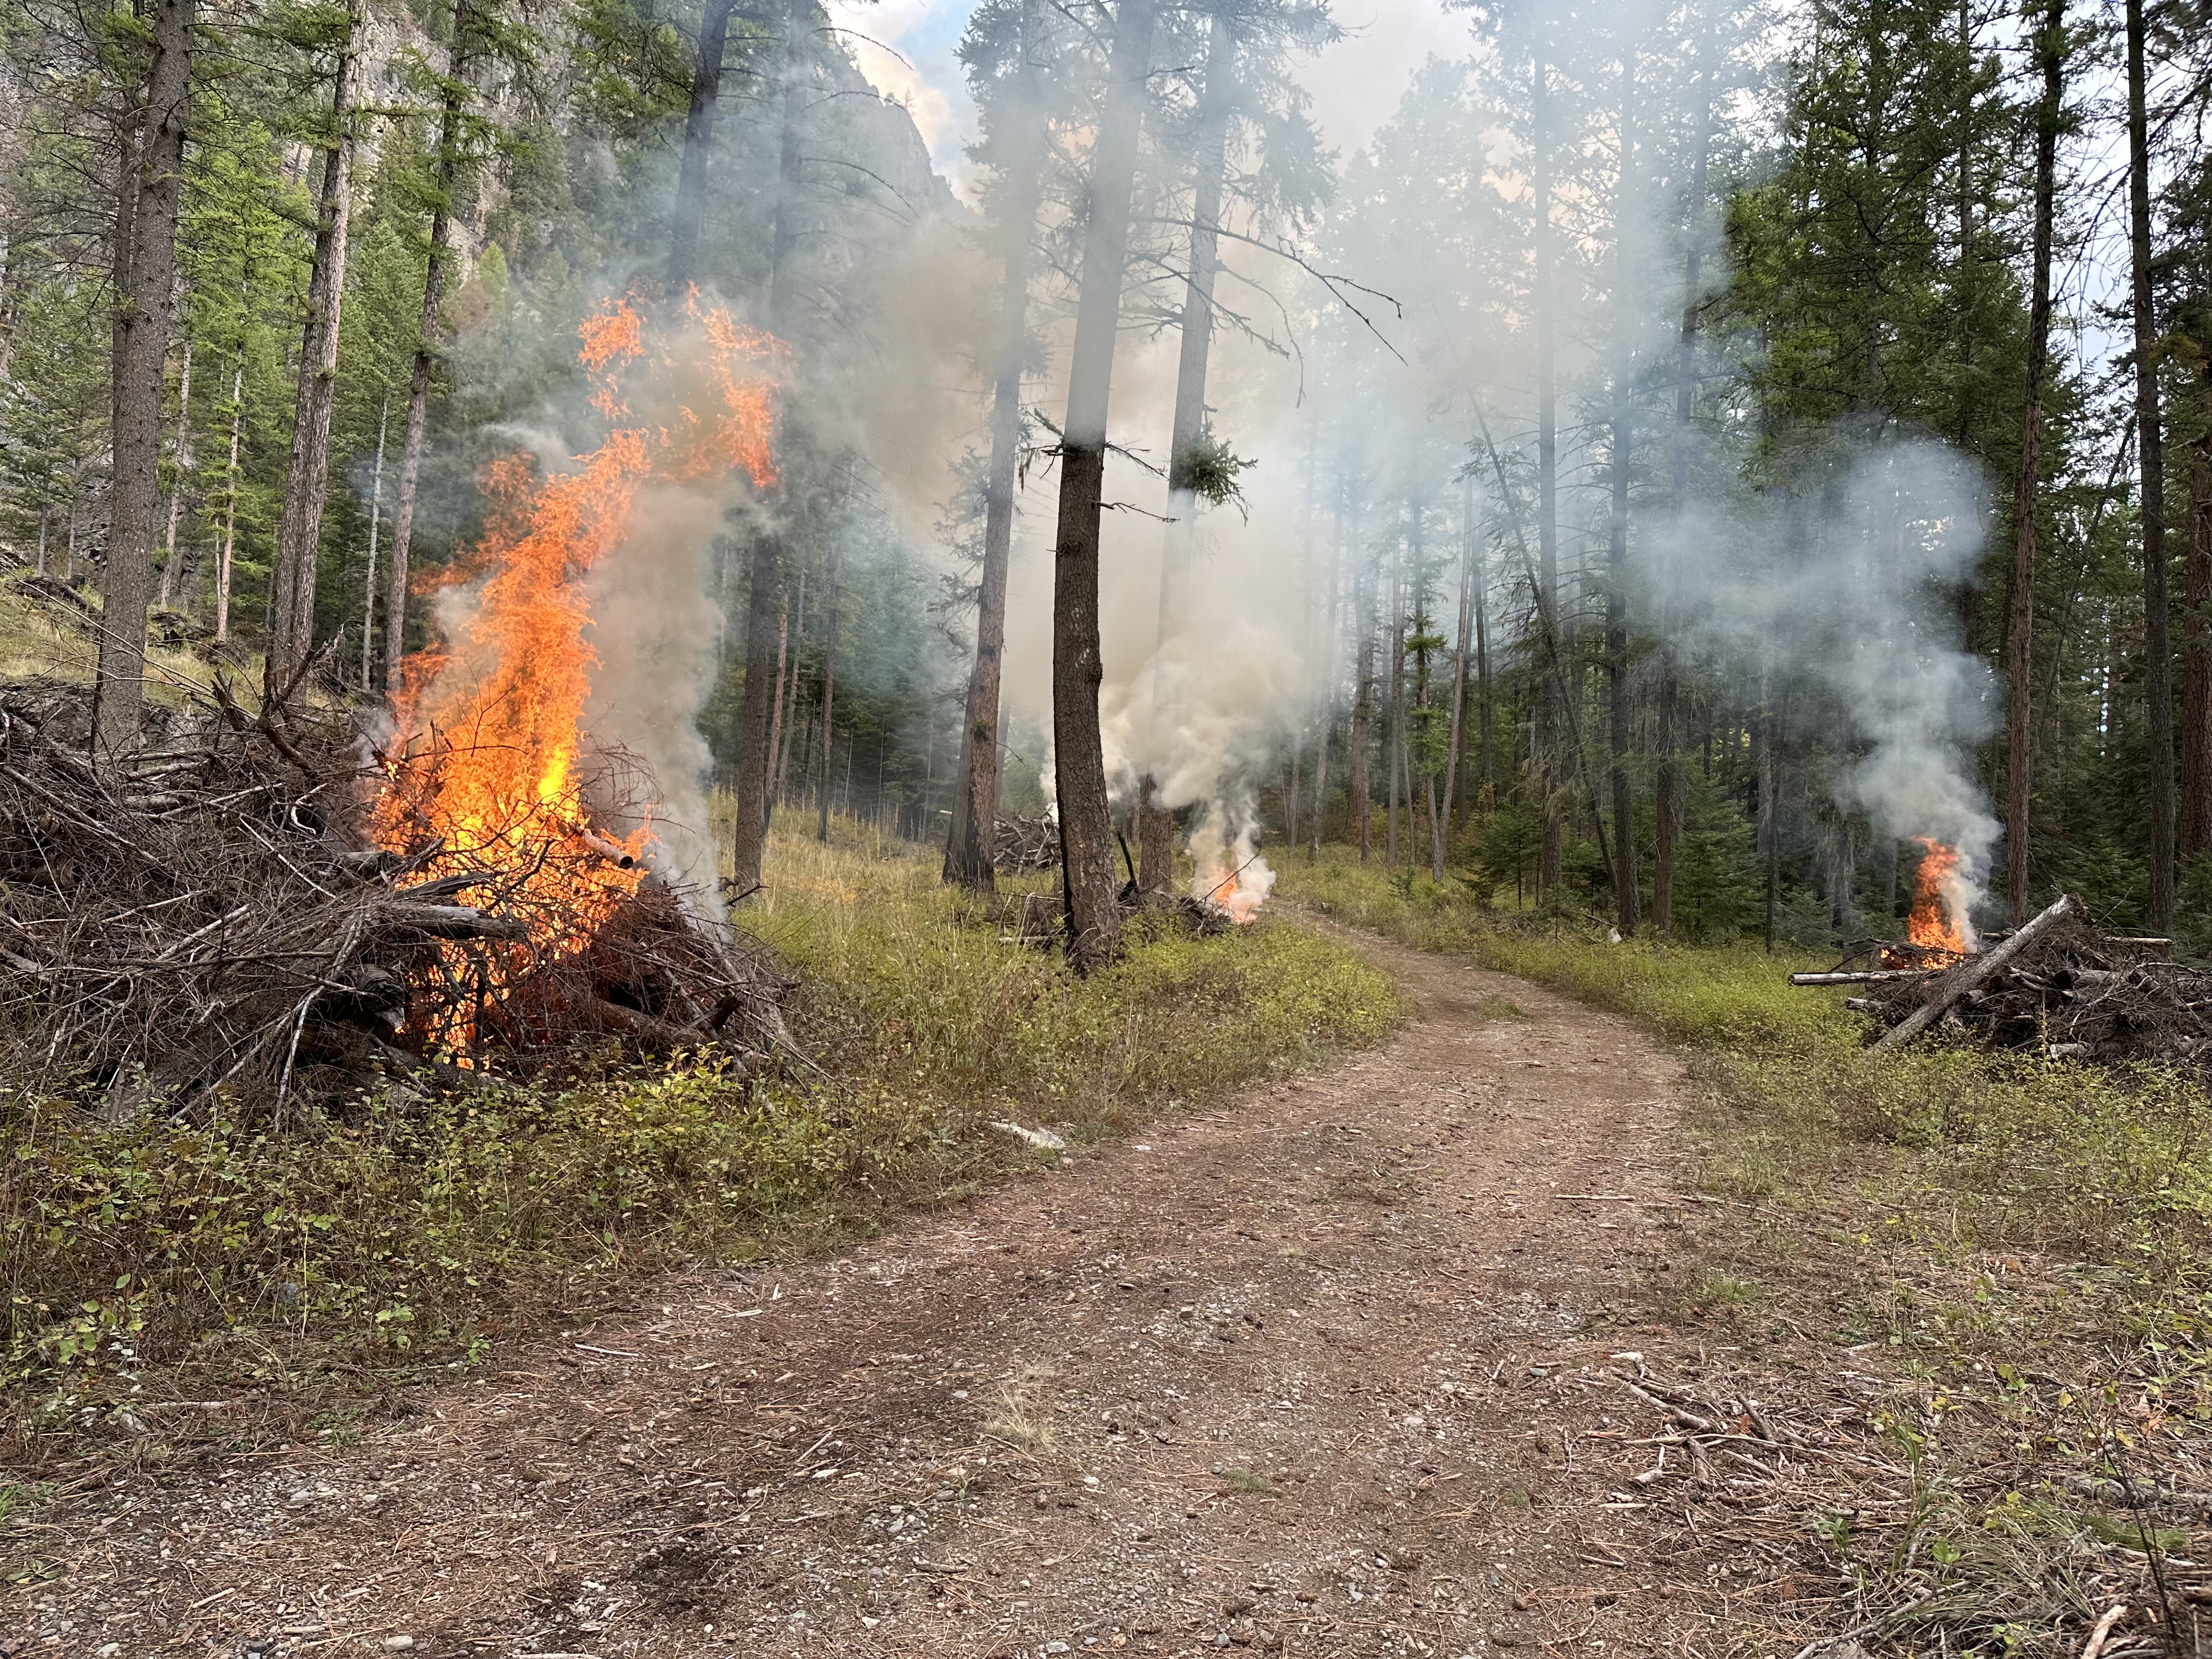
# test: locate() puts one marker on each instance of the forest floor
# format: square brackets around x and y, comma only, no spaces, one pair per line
[1426,1352]
[1340,1367]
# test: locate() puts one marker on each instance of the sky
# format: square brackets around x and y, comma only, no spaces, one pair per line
[906,46]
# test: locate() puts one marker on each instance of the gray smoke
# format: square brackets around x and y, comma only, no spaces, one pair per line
[1855,585]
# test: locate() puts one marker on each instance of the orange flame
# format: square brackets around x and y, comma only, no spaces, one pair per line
[1232,888]
[487,756]
[1938,920]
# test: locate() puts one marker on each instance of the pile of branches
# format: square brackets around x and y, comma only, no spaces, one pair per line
[2060,987]
[1026,843]
[204,917]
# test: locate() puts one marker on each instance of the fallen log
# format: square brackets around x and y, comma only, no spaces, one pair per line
[450,921]
[1866,977]
[1969,975]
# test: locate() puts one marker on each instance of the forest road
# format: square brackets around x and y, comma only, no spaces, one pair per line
[1332,1369]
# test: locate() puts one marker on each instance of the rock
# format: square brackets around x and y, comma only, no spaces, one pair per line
[1506,1636]
[397,1644]
[300,1498]
[1042,1140]
[1055,1647]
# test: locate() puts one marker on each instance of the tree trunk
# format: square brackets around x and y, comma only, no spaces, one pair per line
[970,846]
[787,697]
[1155,842]
[2150,449]
[690,219]
[306,478]
[1626,897]
[2197,683]
[230,500]
[1452,761]
[1086,831]
[1667,803]
[369,577]
[149,186]
[1359,806]
[749,832]
[828,688]
[1484,702]
[775,715]
[2049,52]
[1315,823]
[1394,733]
[426,350]
[1195,341]
[180,466]
[1770,837]
[1552,695]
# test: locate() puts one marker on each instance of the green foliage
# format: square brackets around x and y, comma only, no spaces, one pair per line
[1212,471]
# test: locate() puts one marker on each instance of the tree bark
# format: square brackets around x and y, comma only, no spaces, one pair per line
[1394,723]
[1667,803]
[689,221]
[829,690]
[1359,805]
[2150,450]
[1769,838]
[426,347]
[786,697]
[369,576]
[749,831]
[180,466]
[969,850]
[1086,831]
[2049,52]
[1316,822]
[1626,897]
[148,187]
[2197,680]
[1551,697]
[230,500]
[306,478]
[1196,344]
[1452,761]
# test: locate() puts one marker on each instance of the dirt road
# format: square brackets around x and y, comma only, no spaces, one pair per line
[1332,1369]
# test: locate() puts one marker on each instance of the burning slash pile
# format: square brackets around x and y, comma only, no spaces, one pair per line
[202,918]
[2059,985]
[251,905]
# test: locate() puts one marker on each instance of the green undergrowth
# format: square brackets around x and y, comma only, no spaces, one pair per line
[1985,1150]
[219,1254]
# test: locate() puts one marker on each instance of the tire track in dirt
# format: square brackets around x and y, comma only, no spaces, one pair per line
[1322,1371]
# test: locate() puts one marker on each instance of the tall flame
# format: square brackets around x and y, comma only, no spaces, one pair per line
[1942,896]
[488,758]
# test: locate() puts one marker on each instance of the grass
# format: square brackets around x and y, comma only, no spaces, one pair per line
[2018,1245]
[407,1236]
[44,639]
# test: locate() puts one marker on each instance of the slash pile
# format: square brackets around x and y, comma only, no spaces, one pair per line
[2061,987]
[205,916]
[1026,843]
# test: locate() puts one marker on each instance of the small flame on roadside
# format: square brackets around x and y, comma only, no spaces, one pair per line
[489,756]
[1232,876]
[1942,899]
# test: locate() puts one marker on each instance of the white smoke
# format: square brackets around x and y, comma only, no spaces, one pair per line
[656,632]
[1855,585]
